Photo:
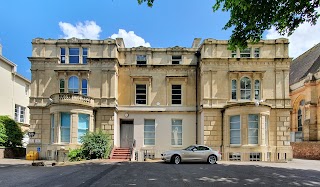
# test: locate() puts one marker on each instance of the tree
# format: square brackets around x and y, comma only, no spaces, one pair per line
[250,18]
[13,132]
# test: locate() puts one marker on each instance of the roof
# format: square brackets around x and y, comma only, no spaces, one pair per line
[308,62]
[7,61]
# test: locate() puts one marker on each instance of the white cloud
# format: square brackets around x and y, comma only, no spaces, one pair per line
[130,39]
[304,37]
[86,30]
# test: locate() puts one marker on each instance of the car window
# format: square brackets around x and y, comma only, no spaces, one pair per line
[202,148]
[189,148]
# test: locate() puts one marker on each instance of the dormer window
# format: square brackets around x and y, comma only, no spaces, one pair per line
[234,53]
[141,59]
[246,53]
[73,55]
[257,52]
[63,55]
[176,59]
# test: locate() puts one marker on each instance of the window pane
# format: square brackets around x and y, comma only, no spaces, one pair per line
[84,51]
[65,127]
[176,132]
[73,51]
[83,125]
[65,120]
[73,59]
[73,85]
[176,87]
[253,128]
[176,102]
[235,140]
[52,128]
[149,132]
[235,118]
[62,51]
[235,133]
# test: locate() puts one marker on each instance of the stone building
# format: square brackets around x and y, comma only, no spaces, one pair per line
[14,97]
[305,96]
[162,98]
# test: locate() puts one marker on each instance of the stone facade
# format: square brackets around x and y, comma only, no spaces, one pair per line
[305,96]
[163,98]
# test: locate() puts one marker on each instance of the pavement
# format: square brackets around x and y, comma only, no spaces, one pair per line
[294,164]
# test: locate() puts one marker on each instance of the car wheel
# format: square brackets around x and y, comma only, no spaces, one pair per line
[176,159]
[212,159]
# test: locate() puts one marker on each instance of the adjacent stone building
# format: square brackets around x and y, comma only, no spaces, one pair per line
[305,96]
[162,98]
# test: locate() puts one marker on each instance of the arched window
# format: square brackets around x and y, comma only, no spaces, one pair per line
[257,89]
[299,120]
[234,89]
[73,85]
[84,87]
[245,88]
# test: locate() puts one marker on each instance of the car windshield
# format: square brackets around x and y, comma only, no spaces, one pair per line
[189,148]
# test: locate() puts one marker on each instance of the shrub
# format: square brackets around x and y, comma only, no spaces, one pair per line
[13,132]
[3,135]
[76,155]
[96,145]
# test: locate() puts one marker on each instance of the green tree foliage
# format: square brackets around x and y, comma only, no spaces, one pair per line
[250,18]
[13,132]
[3,135]
[94,145]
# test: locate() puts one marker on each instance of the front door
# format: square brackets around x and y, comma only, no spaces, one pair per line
[126,133]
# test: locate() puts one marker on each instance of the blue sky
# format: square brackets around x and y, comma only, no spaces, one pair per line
[169,23]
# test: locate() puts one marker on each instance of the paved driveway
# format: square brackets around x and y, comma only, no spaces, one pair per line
[162,174]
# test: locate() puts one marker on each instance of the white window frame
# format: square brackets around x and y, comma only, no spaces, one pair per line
[233,53]
[257,90]
[74,55]
[149,132]
[246,90]
[234,90]
[62,89]
[176,59]
[84,57]
[19,113]
[73,89]
[63,56]
[52,128]
[256,52]
[86,129]
[136,94]
[82,88]
[239,129]
[62,128]
[245,53]
[253,129]
[172,94]
[173,127]
[141,61]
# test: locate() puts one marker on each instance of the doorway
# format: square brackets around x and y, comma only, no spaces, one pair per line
[126,133]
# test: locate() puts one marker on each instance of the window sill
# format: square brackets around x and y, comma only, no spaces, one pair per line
[235,145]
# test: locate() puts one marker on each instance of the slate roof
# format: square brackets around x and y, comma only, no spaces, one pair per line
[308,62]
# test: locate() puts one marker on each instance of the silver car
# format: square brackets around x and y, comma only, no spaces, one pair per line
[193,153]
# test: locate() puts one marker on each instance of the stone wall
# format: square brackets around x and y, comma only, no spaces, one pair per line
[17,152]
[306,150]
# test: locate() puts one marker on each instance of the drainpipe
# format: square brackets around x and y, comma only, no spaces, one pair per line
[222,121]
[197,54]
